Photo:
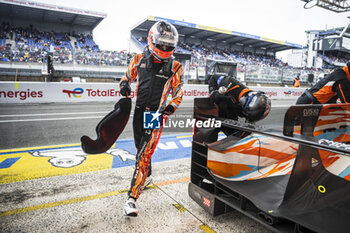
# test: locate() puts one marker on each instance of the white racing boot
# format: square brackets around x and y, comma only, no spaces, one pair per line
[130,208]
[130,205]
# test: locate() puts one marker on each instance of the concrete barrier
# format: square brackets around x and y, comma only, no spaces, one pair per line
[45,92]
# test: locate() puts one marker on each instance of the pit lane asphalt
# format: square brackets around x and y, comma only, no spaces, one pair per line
[93,201]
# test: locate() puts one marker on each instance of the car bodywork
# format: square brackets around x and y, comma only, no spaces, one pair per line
[291,181]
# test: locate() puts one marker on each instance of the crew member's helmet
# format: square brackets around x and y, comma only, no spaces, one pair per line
[256,105]
[224,83]
[162,40]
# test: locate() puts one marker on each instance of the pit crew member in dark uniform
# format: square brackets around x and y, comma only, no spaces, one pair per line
[329,89]
[235,99]
[157,75]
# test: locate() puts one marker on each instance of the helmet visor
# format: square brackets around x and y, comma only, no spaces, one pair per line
[166,48]
[167,39]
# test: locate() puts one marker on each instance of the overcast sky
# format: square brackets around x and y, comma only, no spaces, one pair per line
[284,20]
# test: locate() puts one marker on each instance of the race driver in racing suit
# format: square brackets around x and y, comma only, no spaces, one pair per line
[157,75]
[329,89]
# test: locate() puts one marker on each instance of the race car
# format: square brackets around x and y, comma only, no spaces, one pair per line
[295,180]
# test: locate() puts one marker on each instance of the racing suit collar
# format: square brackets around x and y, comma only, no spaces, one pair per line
[346,70]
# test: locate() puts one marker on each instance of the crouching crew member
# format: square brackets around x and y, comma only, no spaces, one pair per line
[236,100]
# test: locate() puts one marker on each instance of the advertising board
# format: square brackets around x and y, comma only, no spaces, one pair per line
[36,92]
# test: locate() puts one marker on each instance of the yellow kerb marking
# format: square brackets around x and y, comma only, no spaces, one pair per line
[37,148]
[207,229]
[180,208]
[184,136]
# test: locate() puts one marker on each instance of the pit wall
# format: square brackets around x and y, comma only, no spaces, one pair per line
[46,92]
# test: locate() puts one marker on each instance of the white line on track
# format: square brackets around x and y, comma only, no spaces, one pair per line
[281,106]
[53,114]
[51,119]
[55,119]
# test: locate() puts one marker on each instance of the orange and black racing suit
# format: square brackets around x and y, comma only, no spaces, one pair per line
[334,86]
[155,81]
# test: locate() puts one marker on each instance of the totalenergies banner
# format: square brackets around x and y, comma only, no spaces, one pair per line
[35,92]
[280,93]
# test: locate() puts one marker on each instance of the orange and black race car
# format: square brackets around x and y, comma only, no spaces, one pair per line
[295,180]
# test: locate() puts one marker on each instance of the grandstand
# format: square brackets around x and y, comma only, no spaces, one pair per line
[255,55]
[29,31]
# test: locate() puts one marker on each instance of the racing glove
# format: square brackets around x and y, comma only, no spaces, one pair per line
[168,110]
[125,89]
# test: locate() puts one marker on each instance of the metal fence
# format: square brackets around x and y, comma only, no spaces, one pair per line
[103,58]
[264,74]
[279,75]
[114,66]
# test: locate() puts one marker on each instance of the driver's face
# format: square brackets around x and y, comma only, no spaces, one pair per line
[164,47]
